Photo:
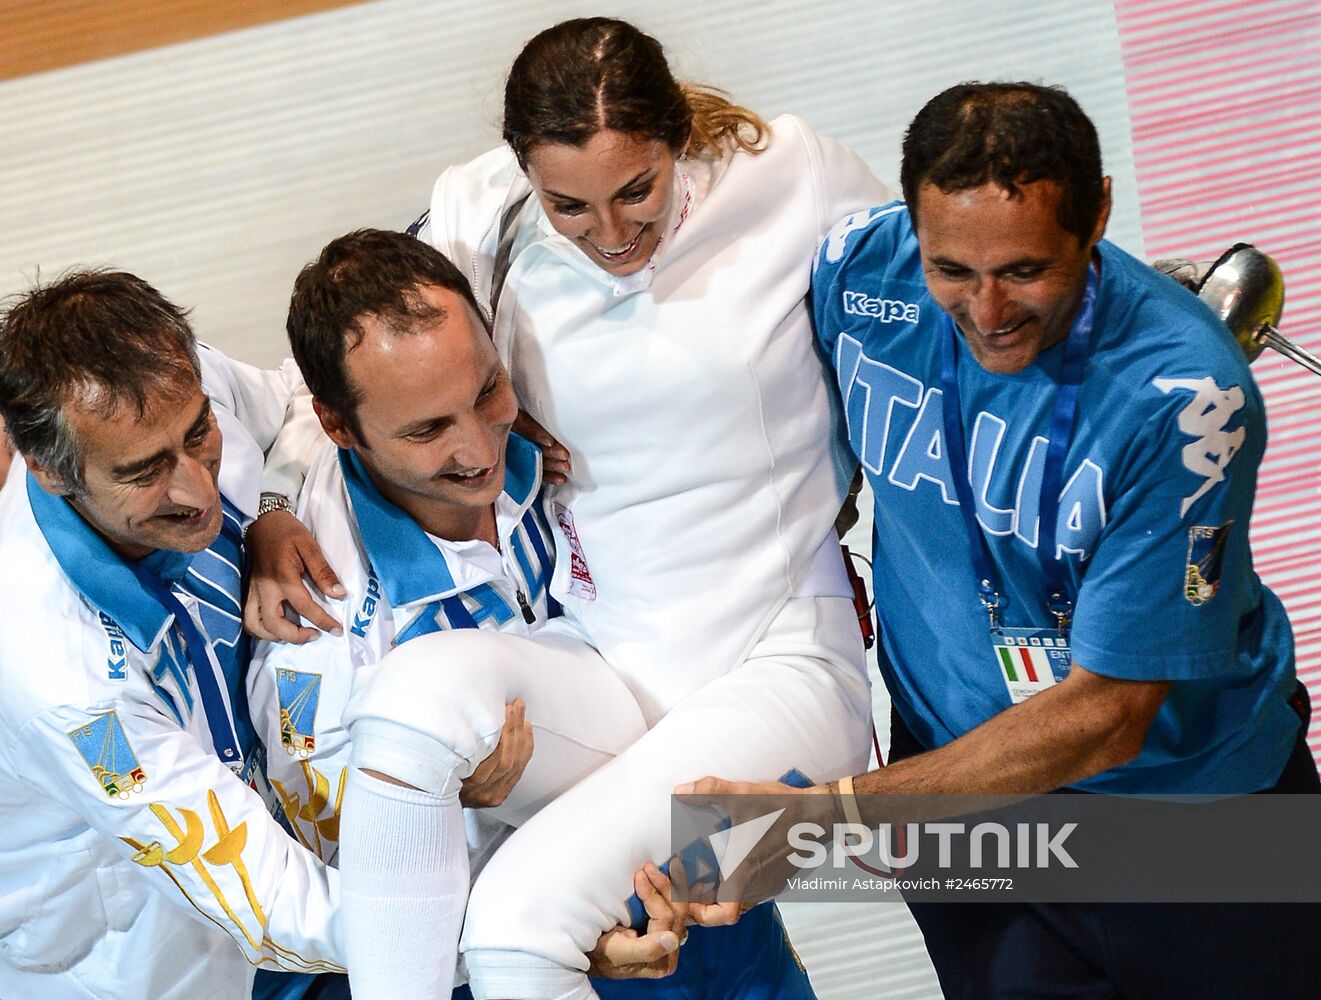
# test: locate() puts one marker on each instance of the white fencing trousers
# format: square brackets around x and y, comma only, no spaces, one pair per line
[595,801]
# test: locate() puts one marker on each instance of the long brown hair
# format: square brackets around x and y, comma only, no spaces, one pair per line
[587,75]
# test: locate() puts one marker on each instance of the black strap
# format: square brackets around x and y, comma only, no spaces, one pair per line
[503,249]
[1218,261]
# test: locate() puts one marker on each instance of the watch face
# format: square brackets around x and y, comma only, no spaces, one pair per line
[273,501]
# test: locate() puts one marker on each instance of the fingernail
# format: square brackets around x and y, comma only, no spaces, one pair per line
[685,789]
[337,630]
[337,591]
[669,942]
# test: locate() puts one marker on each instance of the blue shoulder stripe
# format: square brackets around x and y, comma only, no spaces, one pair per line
[409,567]
[531,580]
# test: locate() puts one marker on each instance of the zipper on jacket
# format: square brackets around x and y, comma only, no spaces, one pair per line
[528,616]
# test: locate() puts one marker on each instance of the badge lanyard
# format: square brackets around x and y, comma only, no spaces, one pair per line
[218,717]
[1076,347]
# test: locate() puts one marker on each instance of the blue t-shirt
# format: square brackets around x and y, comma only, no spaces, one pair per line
[1158,486]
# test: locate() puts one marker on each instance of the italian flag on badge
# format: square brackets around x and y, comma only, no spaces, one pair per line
[1030,660]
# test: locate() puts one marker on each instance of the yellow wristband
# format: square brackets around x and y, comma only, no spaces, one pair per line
[847,801]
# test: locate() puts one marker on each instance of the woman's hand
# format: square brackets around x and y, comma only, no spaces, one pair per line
[555,465]
[280,552]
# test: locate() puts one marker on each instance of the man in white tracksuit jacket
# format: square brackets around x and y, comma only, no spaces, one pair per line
[403,581]
[136,857]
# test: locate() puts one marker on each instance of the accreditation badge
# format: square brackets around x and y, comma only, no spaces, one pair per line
[1030,659]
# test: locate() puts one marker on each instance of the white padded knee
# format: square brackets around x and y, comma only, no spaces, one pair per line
[431,710]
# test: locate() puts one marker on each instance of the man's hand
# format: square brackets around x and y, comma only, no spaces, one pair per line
[704,911]
[763,874]
[622,953]
[280,550]
[496,776]
[555,466]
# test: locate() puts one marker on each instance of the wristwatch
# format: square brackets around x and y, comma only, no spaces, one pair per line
[274,501]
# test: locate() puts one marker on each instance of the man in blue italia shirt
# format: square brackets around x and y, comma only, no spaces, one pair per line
[1063,446]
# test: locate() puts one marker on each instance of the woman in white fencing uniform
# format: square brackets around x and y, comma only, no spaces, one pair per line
[645,248]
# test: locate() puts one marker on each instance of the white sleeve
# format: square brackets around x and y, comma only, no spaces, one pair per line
[844,183]
[446,229]
[296,695]
[275,407]
[467,204]
[448,223]
[295,446]
[258,397]
[203,837]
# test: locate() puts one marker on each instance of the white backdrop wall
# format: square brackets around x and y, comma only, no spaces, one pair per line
[216,168]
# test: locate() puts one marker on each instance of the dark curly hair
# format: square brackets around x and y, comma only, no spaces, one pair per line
[1007,134]
[365,274]
[591,74]
[97,338]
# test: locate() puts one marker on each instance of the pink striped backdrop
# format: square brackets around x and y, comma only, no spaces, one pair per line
[1225,99]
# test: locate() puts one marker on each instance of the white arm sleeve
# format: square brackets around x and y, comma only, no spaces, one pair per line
[296,695]
[844,183]
[275,407]
[467,204]
[258,397]
[294,448]
[203,837]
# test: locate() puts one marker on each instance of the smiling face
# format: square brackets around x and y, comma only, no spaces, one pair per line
[149,480]
[1003,267]
[611,196]
[435,408]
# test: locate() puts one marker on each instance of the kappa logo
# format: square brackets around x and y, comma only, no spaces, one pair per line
[1206,560]
[118,657]
[363,618]
[1205,419]
[885,310]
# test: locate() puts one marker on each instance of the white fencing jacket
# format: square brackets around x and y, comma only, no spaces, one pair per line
[707,462]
